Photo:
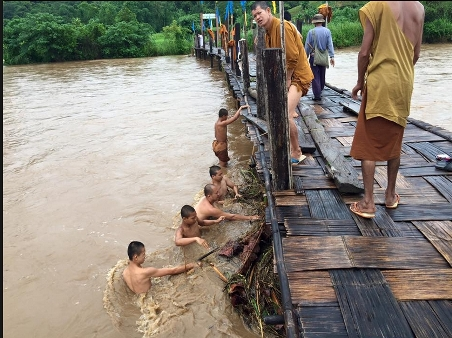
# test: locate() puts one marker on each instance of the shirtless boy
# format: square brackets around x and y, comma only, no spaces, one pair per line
[206,209]
[190,229]
[220,144]
[138,278]
[222,183]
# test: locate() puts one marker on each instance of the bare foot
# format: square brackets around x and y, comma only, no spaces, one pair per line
[294,115]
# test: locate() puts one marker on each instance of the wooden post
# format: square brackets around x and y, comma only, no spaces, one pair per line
[217,35]
[245,64]
[299,25]
[260,88]
[277,117]
[236,45]
[202,30]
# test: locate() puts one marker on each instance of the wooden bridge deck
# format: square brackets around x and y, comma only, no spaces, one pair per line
[389,276]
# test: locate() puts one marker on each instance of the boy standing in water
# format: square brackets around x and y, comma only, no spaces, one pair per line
[220,144]
[190,229]
[138,278]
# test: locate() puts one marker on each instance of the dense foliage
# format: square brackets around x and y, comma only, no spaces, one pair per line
[55,31]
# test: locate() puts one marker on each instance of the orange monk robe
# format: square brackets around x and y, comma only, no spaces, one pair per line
[295,54]
[326,11]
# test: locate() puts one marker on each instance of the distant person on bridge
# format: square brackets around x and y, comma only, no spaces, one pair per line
[320,36]
[299,74]
[390,48]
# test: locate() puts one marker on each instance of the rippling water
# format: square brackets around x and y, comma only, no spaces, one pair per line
[99,153]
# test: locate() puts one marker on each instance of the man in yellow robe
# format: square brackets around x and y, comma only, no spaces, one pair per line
[390,48]
[299,74]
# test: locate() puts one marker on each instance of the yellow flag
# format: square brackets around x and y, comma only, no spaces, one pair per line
[274,7]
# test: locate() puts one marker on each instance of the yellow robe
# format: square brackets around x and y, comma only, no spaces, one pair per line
[390,73]
[295,54]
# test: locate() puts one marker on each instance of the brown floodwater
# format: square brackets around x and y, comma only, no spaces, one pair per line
[99,153]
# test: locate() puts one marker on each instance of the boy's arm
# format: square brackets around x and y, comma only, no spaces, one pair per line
[179,239]
[208,222]
[154,272]
[239,217]
[235,116]
[231,185]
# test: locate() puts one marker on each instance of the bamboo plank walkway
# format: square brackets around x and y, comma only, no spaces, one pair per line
[390,276]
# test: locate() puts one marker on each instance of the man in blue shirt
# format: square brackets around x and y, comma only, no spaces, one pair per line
[324,42]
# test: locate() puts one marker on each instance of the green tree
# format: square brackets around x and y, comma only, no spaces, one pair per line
[126,15]
[88,46]
[87,11]
[124,39]
[38,38]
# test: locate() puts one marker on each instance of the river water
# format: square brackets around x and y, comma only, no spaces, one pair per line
[99,153]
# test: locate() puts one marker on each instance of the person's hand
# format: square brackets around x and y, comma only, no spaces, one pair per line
[202,242]
[220,219]
[237,196]
[332,62]
[190,267]
[355,90]
[254,218]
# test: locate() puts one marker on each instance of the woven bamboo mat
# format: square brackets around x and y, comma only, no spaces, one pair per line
[339,252]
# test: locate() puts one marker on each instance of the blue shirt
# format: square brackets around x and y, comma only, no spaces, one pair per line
[324,41]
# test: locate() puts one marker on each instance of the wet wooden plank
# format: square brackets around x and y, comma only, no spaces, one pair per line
[315,253]
[442,184]
[350,106]
[370,227]
[427,149]
[414,134]
[420,193]
[393,253]
[423,320]
[290,200]
[421,212]
[343,173]
[367,304]
[321,322]
[288,211]
[443,310]
[440,235]
[340,131]
[339,252]
[311,287]
[428,170]
[421,284]
[305,140]
[320,227]
[327,204]
[302,182]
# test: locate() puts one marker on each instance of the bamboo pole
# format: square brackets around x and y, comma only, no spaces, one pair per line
[222,277]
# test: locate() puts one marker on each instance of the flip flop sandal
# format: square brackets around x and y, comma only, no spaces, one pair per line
[300,159]
[396,203]
[355,209]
